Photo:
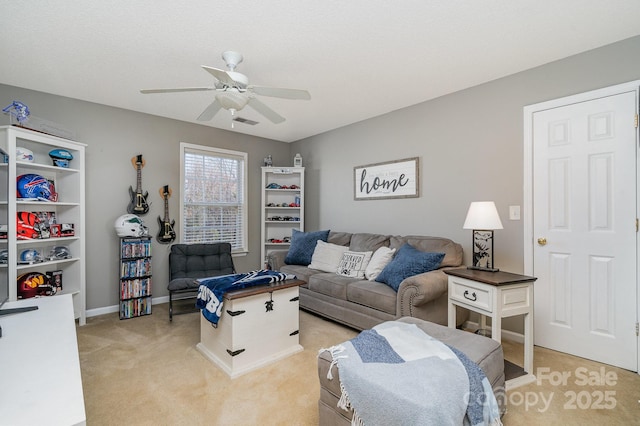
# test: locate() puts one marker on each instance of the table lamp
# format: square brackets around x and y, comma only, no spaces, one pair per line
[482,218]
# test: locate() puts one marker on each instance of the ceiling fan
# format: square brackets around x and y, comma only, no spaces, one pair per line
[233,92]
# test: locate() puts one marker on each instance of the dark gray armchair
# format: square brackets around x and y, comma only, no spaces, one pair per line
[188,262]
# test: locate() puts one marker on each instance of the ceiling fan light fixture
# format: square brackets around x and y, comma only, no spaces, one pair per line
[232,100]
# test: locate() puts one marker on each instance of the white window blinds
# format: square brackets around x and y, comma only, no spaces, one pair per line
[213,205]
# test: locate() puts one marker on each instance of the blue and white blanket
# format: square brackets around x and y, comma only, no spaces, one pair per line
[398,374]
[212,290]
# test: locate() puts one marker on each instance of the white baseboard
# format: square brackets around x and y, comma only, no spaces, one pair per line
[506,334]
[111,309]
[160,300]
[101,311]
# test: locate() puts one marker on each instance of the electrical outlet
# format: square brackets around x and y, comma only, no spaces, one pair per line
[514,212]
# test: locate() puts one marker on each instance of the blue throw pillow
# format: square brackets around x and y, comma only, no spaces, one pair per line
[408,261]
[302,246]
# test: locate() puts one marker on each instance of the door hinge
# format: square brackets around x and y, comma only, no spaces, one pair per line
[637,329]
[636,121]
[637,224]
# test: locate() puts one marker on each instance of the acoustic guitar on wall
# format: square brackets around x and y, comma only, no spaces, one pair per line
[138,204]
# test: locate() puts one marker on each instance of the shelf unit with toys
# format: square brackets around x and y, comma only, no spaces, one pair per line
[282,207]
[56,246]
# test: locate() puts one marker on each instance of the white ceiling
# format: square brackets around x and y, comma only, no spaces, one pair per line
[358,58]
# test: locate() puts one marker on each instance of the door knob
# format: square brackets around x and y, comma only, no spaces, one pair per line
[542,241]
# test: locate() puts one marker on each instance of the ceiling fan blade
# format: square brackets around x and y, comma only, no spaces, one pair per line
[221,75]
[179,89]
[263,109]
[210,111]
[276,92]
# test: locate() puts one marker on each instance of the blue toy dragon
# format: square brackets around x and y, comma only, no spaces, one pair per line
[19,110]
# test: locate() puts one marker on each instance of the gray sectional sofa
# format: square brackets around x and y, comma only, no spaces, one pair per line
[362,304]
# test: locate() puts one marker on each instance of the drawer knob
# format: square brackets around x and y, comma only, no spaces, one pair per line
[473,298]
[542,241]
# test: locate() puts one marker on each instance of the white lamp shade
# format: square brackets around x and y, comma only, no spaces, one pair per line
[482,215]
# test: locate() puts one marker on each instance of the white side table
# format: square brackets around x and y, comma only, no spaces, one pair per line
[496,295]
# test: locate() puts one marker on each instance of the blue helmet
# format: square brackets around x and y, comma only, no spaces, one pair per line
[29,256]
[60,157]
[36,186]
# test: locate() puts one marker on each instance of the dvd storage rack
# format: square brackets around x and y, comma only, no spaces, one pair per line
[135,277]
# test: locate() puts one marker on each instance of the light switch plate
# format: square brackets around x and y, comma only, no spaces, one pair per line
[514,212]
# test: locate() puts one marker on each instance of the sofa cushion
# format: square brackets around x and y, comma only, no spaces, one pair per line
[340,238]
[354,263]
[301,272]
[452,251]
[373,295]
[326,257]
[379,260]
[330,284]
[302,246]
[408,261]
[368,242]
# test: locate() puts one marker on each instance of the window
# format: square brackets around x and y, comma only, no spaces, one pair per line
[213,206]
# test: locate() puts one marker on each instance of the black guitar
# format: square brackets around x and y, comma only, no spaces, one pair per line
[138,204]
[166,234]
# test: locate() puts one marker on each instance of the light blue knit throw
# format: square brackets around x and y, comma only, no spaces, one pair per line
[398,374]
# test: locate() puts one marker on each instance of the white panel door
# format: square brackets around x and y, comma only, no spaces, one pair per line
[584,229]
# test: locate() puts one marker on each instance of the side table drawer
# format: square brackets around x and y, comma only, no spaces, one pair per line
[471,293]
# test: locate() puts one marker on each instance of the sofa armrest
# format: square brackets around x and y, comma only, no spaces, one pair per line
[421,289]
[275,259]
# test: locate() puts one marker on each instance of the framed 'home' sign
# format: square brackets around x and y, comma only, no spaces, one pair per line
[392,179]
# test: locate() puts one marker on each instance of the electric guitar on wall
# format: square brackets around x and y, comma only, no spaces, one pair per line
[166,234]
[138,204]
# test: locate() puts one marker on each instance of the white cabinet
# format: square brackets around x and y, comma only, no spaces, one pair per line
[69,209]
[41,379]
[282,206]
[259,325]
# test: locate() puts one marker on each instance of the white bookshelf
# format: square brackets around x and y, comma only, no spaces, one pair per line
[281,202]
[70,208]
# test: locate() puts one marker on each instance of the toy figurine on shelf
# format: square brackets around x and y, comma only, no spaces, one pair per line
[18,110]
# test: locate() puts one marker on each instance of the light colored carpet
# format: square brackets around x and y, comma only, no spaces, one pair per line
[147,371]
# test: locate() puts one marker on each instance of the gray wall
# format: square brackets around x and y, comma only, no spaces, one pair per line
[115,135]
[470,146]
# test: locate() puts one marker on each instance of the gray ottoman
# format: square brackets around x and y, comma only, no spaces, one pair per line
[485,352]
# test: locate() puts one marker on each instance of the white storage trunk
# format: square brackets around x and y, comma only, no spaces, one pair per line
[249,335]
